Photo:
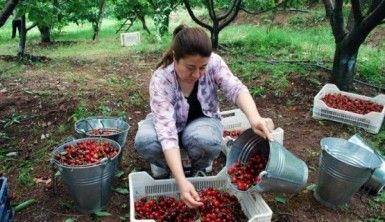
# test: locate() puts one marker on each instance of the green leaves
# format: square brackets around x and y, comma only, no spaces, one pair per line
[311,187]
[281,199]
[24,205]
[102,214]
[121,190]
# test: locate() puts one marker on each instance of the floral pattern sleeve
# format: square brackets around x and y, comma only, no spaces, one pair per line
[161,102]
[225,79]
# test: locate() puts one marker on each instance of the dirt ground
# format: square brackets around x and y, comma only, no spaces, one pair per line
[45,112]
[301,136]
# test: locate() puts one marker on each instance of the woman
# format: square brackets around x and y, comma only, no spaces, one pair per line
[185,109]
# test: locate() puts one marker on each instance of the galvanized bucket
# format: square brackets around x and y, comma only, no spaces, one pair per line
[83,128]
[284,172]
[343,168]
[89,186]
[376,182]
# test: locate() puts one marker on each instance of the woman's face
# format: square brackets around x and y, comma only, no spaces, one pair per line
[191,68]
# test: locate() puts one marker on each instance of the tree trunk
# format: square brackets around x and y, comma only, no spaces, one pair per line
[45,34]
[163,29]
[143,21]
[98,22]
[344,66]
[7,11]
[215,35]
[22,40]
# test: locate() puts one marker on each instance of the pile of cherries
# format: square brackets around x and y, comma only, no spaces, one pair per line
[217,206]
[103,132]
[342,102]
[245,175]
[232,133]
[86,152]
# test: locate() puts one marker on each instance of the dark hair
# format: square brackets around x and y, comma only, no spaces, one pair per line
[187,41]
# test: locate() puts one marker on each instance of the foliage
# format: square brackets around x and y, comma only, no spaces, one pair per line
[13,119]
[80,112]
[262,5]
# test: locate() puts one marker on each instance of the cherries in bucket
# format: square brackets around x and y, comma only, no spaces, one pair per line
[246,175]
[86,152]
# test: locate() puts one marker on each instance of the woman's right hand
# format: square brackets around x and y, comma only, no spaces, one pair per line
[188,194]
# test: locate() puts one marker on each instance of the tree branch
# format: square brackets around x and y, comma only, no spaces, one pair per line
[334,12]
[211,9]
[228,11]
[194,18]
[230,18]
[338,29]
[31,27]
[328,8]
[357,11]
[375,18]
[7,11]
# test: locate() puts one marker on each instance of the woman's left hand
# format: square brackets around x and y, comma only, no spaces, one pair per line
[263,127]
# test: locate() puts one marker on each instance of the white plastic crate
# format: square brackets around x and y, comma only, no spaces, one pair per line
[141,184]
[131,38]
[235,119]
[371,122]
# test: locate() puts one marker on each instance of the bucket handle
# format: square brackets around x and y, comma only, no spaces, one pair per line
[263,174]
[325,148]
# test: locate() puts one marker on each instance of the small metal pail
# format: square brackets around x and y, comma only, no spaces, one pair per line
[376,182]
[89,186]
[83,128]
[284,172]
[343,168]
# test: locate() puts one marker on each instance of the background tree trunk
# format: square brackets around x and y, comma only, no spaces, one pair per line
[144,25]
[7,11]
[45,34]
[344,67]
[22,40]
[98,22]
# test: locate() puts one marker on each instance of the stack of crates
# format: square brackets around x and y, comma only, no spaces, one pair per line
[5,206]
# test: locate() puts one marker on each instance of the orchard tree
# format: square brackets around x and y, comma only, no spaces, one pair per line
[7,10]
[363,18]
[132,10]
[86,10]
[223,12]
[220,13]
[163,9]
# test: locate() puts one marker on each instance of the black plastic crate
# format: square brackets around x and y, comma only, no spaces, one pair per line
[5,205]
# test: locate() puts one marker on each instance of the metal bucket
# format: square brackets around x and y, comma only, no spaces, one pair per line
[343,168]
[83,128]
[376,182]
[89,186]
[284,172]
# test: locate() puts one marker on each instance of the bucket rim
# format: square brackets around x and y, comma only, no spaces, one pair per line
[127,126]
[376,163]
[99,163]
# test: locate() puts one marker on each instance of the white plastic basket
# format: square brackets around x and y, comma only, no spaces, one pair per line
[371,122]
[131,38]
[141,184]
[235,119]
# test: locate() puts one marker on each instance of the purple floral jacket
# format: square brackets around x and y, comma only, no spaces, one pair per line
[169,107]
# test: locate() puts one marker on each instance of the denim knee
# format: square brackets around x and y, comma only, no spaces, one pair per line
[203,138]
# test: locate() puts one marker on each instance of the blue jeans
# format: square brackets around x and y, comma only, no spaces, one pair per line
[202,139]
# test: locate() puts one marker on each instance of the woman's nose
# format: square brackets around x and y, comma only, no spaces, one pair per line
[196,73]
